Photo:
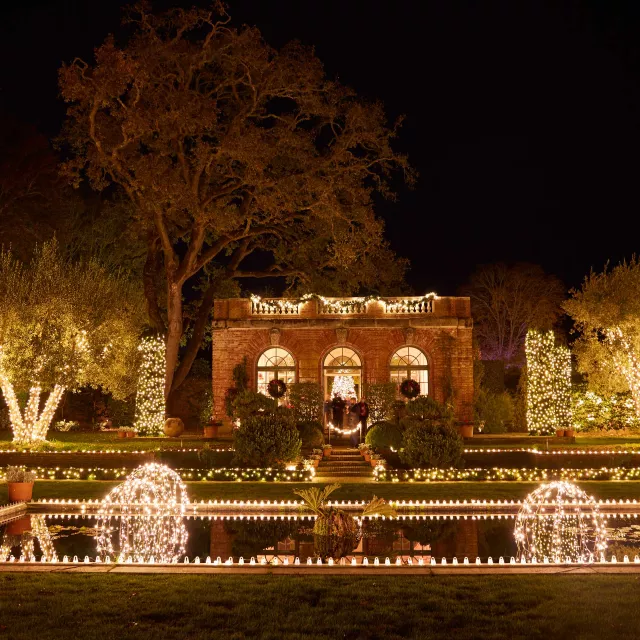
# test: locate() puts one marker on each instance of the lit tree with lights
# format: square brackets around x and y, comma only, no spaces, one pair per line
[606,311]
[150,402]
[64,324]
[548,383]
[344,387]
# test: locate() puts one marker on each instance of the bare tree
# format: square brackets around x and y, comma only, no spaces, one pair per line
[237,157]
[507,301]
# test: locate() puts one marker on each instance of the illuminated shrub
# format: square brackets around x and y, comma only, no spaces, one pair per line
[270,439]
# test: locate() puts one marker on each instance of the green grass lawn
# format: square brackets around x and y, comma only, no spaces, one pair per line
[582,442]
[78,441]
[352,491]
[101,607]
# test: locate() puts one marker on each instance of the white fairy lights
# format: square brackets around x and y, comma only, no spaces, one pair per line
[150,401]
[548,384]
[344,387]
[559,521]
[152,503]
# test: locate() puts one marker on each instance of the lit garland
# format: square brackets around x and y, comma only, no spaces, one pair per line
[553,523]
[150,401]
[358,304]
[343,386]
[152,502]
[548,384]
[222,474]
[498,474]
[345,432]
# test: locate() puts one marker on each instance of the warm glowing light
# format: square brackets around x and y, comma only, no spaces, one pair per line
[150,401]
[344,387]
[548,384]
[562,523]
[149,507]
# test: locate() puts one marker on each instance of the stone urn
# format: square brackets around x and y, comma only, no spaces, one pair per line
[211,429]
[466,430]
[173,427]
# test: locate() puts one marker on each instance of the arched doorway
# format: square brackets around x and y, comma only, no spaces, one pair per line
[345,362]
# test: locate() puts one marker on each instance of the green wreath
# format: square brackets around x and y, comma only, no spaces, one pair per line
[410,388]
[276,388]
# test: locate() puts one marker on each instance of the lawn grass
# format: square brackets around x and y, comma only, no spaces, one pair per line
[100,440]
[590,441]
[101,607]
[85,489]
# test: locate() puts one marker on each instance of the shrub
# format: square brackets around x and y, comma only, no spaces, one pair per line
[495,410]
[381,398]
[248,403]
[592,412]
[267,440]
[306,401]
[384,435]
[426,408]
[311,434]
[18,474]
[430,444]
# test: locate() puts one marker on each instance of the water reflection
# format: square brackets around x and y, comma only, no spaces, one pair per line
[266,538]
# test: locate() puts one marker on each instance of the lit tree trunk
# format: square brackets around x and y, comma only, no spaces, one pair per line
[33,426]
[627,363]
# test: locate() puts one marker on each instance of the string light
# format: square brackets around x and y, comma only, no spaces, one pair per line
[626,363]
[548,384]
[291,306]
[32,428]
[561,522]
[150,401]
[345,432]
[152,503]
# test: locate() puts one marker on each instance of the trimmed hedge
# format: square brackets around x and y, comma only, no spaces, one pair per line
[384,435]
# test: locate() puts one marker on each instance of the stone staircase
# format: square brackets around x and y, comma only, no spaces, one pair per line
[344,462]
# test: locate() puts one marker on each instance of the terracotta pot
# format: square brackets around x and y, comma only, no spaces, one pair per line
[316,462]
[466,430]
[327,452]
[131,434]
[374,463]
[559,433]
[569,433]
[20,491]
[19,526]
[211,431]
[367,457]
[122,433]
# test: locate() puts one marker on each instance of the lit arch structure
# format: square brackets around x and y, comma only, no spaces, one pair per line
[275,363]
[410,363]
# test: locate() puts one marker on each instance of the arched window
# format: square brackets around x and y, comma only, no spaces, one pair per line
[342,361]
[275,363]
[412,363]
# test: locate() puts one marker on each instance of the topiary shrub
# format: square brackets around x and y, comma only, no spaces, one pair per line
[494,410]
[384,435]
[311,434]
[430,444]
[426,408]
[248,403]
[270,439]
[306,401]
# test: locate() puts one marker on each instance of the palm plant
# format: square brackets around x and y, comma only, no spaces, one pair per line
[336,533]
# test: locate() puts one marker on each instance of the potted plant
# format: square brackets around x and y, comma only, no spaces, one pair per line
[363,448]
[326,449]
[570,433]
[131,433]
[560,433]
[211,428]
[315,460]
[367,454]
[466,430]
[122,433]
[375,460]
[20,483]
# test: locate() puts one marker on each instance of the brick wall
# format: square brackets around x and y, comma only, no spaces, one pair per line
[445,337]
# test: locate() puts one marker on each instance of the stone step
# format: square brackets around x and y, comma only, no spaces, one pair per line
[344,469]
[346,474]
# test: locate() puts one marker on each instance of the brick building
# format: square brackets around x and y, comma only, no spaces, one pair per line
[389,339]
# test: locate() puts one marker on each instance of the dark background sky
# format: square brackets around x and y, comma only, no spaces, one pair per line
[521,117]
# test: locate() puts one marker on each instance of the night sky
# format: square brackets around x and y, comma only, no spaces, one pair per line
[521,117]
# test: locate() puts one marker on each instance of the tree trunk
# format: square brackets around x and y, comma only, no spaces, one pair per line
[174,332]
[33,426]
[149,280]
[193,346]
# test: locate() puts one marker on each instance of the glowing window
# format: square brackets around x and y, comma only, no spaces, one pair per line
[275,363]
[410,363]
